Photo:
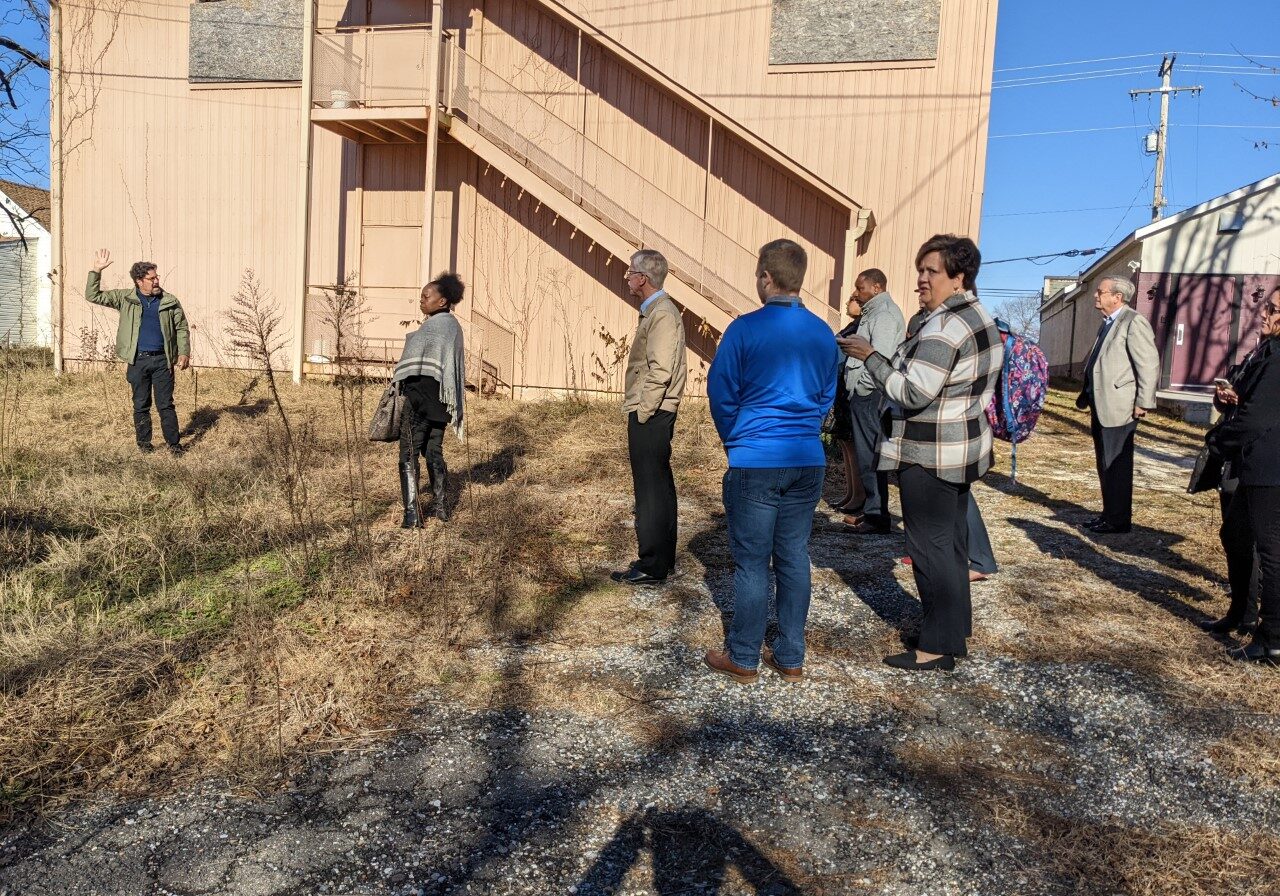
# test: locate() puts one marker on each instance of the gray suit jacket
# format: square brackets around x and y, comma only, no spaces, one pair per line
[1125,372]
[881,325]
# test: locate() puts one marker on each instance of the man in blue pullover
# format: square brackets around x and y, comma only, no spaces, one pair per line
[771,383]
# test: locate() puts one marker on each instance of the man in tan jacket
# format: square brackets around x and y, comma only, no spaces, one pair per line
[655,380]
[1120,378]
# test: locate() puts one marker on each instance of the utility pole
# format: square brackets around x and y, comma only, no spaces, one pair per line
[1162,138]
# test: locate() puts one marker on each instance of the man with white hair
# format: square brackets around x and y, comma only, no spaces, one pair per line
[1120,378]
[655,378]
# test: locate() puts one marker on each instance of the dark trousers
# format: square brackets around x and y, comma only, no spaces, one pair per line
[649,446]
[1113,451]
[148,374]
[1236,530]
[981,557]
[1253,522]
[422,437]
[867,435]
[934,515]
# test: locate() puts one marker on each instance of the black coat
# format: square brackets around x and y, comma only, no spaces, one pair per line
[1250,439]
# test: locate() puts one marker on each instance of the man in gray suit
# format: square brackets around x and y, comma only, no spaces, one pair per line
[1119,388]
[881,324]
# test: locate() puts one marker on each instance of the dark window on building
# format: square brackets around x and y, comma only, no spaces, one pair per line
[245,40]
[815,32]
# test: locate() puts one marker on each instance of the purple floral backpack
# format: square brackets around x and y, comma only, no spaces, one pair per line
[1020,392]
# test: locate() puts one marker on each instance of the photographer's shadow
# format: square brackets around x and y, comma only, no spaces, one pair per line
[692,851]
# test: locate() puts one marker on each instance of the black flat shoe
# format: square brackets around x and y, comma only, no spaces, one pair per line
[911,642]
[1105,528]
[908,661]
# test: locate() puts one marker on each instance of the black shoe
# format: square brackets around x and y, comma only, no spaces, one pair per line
[1093,521]
[1226,625]
[634,576]
[1259,652]
[177,450]
[911,642]
[1106,528]
[908,661]
[146,447]
[439,476]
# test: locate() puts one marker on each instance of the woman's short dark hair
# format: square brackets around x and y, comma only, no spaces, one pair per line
[450,287]
[960,257]
[140,269]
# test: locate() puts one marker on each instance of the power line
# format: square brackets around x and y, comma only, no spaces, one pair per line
[1069,253]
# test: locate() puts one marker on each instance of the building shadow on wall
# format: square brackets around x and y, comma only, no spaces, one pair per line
[692,852]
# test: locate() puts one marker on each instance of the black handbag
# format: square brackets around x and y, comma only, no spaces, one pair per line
[385,425]
[1206,475]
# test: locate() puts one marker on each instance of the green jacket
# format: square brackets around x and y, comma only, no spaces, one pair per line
[173,323]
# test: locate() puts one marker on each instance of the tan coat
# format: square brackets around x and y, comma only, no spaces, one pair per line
[656,369]
[1126,371]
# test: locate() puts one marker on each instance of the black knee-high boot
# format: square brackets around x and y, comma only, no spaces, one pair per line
[439,473]
[409,495]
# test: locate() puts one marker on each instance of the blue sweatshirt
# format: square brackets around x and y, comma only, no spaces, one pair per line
[771,382]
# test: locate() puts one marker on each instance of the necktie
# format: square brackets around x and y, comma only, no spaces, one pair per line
[1093,355]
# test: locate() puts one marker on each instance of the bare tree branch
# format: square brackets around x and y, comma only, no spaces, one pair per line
[14,46]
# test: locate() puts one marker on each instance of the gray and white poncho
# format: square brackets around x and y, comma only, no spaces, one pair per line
[435,350]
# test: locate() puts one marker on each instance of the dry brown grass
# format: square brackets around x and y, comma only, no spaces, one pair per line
[159,618]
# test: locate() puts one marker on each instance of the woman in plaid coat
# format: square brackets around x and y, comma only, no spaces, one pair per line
[938,384]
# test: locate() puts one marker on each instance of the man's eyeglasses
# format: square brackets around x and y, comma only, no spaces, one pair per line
[636,274]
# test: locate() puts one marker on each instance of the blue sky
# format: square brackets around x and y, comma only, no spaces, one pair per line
[1055,192]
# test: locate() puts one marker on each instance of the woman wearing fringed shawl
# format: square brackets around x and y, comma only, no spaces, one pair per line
[430,374]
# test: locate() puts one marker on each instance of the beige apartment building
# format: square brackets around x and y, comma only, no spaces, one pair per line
[529,145]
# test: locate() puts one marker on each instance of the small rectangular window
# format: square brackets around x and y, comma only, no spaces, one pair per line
[245,40]
[833,32]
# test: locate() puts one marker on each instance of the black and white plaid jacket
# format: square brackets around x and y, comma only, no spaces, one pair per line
[938,385]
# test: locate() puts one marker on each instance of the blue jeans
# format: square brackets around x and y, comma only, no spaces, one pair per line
[770,516]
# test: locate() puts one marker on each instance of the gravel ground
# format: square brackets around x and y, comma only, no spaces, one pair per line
[1016,774]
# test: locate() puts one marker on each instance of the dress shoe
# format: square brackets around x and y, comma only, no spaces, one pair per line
[911,642]
[863,526]
[908,661]
[1091,522]
[634,576]
[1226,625]
[146,447]
[177,450]
[1259,652]
[792,674]
[718,661]
[1106,528]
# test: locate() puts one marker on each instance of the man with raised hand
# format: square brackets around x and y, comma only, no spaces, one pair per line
[152,337]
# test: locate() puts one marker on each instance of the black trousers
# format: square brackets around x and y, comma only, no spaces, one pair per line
[1113,451]
[981,557]
[934,515]
[1236,529]
[1253,521]
[868,432]
[420,436]
[148,374]
[649,446]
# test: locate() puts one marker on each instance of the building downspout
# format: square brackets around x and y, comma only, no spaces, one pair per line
[304,190]
[433,138]
[55,180]
[861,222]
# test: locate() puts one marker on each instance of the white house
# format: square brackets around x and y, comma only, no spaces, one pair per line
[26,291]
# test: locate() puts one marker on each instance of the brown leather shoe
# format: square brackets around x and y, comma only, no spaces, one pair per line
[718,661]
[790,674]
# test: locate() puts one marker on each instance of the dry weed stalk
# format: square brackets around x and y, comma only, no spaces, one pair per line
[342,310]
[253,328]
